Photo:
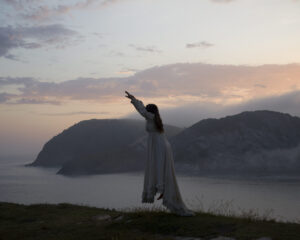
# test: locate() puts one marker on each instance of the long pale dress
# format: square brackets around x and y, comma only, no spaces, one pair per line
[159,170]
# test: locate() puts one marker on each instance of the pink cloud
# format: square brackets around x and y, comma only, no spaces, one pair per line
[176,84]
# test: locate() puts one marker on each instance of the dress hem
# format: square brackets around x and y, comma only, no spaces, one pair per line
[182,211]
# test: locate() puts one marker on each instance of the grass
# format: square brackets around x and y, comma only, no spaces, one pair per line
[66,221]
[229,208]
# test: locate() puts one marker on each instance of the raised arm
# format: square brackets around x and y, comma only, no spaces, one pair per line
[139,106]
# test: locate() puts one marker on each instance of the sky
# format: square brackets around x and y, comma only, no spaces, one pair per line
[64,61]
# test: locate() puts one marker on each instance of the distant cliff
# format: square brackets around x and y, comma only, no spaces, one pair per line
[263,142]
[98,146]
[259,141]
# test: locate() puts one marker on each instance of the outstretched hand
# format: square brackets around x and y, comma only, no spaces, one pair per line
[129,95]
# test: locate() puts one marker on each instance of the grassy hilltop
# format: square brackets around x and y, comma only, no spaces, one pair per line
[67,221]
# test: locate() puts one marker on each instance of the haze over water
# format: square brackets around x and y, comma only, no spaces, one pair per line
[278,196]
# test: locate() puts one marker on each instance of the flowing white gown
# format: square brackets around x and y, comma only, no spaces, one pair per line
[159,170]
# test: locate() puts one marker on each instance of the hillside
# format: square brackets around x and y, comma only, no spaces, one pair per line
[98,146]
[259,141]
[67,221]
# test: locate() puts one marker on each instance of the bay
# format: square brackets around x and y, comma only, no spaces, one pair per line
[269,197]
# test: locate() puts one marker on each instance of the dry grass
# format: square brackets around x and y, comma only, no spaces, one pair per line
[67,221]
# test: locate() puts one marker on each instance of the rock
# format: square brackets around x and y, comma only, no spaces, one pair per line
[158,236]
[222,238]
[119,218]
[103,217]
[187,238]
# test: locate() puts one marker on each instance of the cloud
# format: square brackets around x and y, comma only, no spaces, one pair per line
[11,57]
[117,53]
[170,85]
[35,10]
[202,44]
[44,12]
[55,35]
[4,97]
[33,91]
[97,34]
[127,71]
[27,81]
[260,85]
[19,4]
[188,114]
[288,102]
[222,1]
[151,49]
[108,2]
[38,100]
[7,41]
[75,113]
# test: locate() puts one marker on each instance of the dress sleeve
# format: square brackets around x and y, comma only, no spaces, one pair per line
[138,104]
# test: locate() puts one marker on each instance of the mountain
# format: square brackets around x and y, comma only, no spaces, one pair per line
[263,142]
[250,142]
[98,146]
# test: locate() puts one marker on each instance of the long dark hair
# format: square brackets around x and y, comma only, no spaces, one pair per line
[158,122]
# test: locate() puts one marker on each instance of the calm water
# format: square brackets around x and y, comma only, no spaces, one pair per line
[279,197]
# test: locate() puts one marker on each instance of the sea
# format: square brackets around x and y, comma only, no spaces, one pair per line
[261,197]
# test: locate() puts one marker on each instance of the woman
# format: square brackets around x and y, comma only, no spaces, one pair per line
[159,171]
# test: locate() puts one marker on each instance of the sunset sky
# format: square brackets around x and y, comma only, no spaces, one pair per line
[63,61]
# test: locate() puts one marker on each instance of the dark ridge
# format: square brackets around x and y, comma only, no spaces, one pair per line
[243,142]
[98,146]
[249,142]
